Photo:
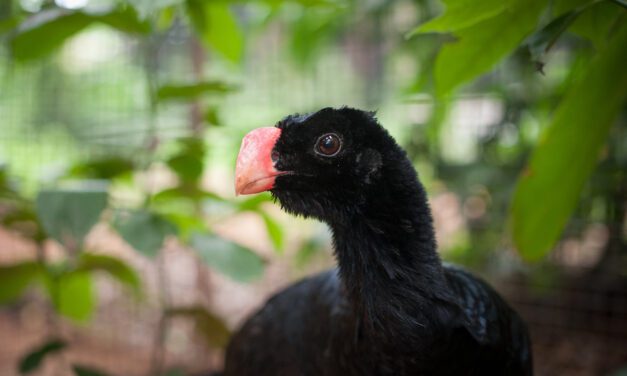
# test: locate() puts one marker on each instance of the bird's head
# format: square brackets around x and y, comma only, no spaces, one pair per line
[323,165]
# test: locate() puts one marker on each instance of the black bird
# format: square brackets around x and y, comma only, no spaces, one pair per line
[391,307]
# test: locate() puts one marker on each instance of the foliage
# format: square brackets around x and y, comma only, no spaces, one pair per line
[49,29]
[68,215]
[231,259]
[32,360]
[568,151]
[495,47]
[549,187]
[80,210]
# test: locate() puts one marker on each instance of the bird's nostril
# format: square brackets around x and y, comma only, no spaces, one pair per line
[274,156]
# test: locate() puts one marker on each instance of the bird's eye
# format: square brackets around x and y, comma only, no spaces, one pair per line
[328,145]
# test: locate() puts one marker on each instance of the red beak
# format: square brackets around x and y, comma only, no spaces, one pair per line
[254,170]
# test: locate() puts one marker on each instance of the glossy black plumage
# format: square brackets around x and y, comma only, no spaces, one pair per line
[391,307]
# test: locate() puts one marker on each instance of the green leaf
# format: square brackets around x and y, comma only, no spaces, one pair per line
[22,219]
[68,215]
[72,295]
[185,224]
[188,163]
[541,41]
[218,28]
[253,203]
[186,193]
[308,250]
[468,57]
[8,24]
[115,267]
[144,231]
[590,19]
[597,22]
[549,188]
[313,31]
[192,91]
[81,370]
[33,359]
[233,260]
[105,168]
[212,116]
[122,19]
[461,14]
[187,167]
[212,328]
[46,31]
[14,279]
[274,231]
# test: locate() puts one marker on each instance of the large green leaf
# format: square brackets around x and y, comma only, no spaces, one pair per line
[212,328]
[31,361]
[227,257]
[14,279]
[67,215]
[484,44]
[144,231]
[460,14]
[72,295]
[549,188]
[115,267]
[47,30]
[215,23]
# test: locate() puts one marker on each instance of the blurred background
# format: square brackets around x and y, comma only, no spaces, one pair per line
[123,250]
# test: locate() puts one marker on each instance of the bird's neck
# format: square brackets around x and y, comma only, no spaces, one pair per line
[387,254]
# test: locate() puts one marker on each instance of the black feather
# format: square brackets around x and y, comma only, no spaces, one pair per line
[391,307]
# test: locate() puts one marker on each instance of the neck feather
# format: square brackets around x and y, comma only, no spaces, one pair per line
[387,253]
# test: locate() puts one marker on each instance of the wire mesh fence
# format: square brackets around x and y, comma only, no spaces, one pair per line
[92,99]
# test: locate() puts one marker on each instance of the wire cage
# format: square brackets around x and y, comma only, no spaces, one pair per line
[91,99]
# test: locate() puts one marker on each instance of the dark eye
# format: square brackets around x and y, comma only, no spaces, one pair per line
[328,145]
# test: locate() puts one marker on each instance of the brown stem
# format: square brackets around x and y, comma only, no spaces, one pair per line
[158,351]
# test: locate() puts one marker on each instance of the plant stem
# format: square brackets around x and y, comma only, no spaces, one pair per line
[158,352]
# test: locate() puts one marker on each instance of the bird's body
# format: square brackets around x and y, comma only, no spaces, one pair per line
[391,307]
[310,329]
